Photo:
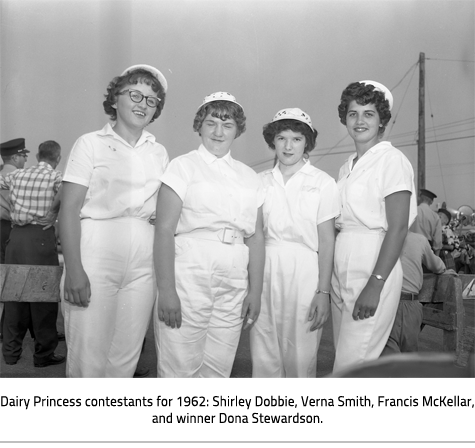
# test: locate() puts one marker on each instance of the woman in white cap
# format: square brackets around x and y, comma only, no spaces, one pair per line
[209,248]
[109,198]
[301,203]
[378,204]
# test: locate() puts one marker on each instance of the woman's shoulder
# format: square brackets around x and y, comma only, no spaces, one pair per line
[245,169]
[319,176]
[389,152]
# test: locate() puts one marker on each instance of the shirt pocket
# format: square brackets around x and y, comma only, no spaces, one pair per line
[308,201]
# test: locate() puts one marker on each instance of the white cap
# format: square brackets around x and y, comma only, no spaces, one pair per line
[219,96]
[293,113]
[381,88]
[154,71]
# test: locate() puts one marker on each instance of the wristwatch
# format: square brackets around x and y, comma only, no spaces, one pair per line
[379,277]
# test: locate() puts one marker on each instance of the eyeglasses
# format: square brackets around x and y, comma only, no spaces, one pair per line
[137,97]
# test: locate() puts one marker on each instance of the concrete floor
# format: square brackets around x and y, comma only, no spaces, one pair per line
[430,341]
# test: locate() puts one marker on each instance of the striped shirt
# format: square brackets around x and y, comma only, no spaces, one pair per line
[32,191]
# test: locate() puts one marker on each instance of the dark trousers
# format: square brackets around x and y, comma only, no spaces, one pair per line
[5,229]
[31,244]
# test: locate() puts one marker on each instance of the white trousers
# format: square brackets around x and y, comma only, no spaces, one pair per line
[105,339]
[282,344]
[357,341]
[211,282]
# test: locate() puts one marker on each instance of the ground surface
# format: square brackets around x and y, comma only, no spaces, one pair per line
[430,341]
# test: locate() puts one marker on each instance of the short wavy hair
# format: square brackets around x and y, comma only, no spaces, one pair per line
[270,130]
[224,110]
[134,77]
[365,94]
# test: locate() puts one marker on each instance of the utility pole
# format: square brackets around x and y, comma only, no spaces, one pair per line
[421,142]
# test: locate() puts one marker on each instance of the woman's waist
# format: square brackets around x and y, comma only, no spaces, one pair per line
[272,242]
[119,219]
[362,230]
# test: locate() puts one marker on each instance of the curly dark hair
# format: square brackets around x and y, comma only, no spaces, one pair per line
[365,94]
[225,110]
[134,77]
[270,130]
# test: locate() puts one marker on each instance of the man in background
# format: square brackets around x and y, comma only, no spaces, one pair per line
[428,222]
[14,156]
[404,336]
[34,198]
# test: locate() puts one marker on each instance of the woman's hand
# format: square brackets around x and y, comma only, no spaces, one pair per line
[169,309]
[77,289]
[319,310]
[368,300]
[251,308]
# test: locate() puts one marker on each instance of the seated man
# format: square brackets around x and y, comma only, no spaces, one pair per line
[404,335]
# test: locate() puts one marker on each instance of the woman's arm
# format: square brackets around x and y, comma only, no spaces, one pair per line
[320,306]
[397,215]
[251,306]
[77,289]
[169,207]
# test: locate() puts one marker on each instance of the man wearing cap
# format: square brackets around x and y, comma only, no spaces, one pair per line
[14,155]
[428,222]
[34,199]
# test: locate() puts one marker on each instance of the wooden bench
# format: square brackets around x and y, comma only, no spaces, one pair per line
[441,296]
[25,283]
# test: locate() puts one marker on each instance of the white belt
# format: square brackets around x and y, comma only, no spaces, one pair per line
[226,235]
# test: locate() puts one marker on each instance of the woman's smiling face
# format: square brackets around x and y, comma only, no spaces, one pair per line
[218,135]
[131,114]
[362,123]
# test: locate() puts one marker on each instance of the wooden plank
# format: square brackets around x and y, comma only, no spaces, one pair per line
[442,297]
[466,347]
[26,283]
[438,318]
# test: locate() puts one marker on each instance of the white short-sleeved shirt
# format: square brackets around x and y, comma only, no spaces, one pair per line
[216,192]
[428,224]
[122,180]
[292,211]
[381,171]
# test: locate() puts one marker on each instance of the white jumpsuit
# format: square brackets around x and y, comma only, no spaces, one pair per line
[281,342]
[105,339]
[383,170]
[211,277]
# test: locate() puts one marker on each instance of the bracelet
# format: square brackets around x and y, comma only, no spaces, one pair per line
[377,276]
[322,291]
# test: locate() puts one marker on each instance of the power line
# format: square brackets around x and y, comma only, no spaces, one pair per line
[449,60]
[439,141]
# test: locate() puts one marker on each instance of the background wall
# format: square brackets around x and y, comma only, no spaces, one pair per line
[57,58]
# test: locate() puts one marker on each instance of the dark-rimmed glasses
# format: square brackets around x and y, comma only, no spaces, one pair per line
[137,97]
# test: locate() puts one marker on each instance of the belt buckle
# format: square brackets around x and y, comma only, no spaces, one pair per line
[228,235]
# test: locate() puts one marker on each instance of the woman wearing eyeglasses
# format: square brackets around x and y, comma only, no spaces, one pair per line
[109,195]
